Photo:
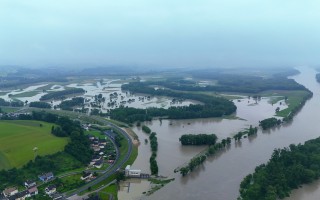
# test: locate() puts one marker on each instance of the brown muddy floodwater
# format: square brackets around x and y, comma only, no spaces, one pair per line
[219,178]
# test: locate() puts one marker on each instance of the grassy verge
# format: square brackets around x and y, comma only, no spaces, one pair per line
[133,156]
[112,189]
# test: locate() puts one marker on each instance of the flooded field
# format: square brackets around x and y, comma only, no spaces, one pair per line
[112,93]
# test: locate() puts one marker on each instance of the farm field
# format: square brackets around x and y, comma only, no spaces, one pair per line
[18,138]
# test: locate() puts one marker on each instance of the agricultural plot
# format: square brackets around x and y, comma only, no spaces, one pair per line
[21,140]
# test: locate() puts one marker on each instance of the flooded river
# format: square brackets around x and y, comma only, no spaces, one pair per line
[219,178]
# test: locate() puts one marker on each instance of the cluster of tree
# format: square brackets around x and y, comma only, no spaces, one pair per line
[15,103]
[248,132]
[57,131]
[69,104]
[269,123]
[199,139]
[146,129]
[194,162]
[287,169]
[61,94]
[79,146]
[298,107]
[39,104]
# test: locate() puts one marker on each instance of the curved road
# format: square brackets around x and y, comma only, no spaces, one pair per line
[116,166]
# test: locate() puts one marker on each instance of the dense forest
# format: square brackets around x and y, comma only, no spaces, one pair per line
[287,169]
[61,94]
[76,154]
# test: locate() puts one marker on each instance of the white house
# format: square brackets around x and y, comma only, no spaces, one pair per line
[50,189]
[86,175]
[30,183]
[10,191]
[132,172]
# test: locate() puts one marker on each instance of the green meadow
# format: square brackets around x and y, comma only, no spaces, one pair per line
[18,138]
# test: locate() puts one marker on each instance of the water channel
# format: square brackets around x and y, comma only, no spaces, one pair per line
[219,178]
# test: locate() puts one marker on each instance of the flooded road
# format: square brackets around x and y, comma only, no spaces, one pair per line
[219,178]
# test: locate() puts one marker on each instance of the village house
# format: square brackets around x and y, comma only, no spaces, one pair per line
[96,149]
[46,177]
[10,191]
[86,175]
[96,158]
[29,184]
[50,189]
[33,191]
[20,196]
[98,164]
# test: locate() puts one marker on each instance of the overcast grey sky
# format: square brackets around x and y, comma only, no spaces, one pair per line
[179,33]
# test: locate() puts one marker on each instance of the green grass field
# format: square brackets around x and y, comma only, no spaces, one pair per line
[18,139]
[295,97]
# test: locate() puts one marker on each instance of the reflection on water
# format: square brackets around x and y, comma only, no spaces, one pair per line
[132,189]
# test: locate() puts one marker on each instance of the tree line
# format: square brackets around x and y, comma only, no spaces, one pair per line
[287,169]
[198,139]
[212,150]
[39,104]
[154,148]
